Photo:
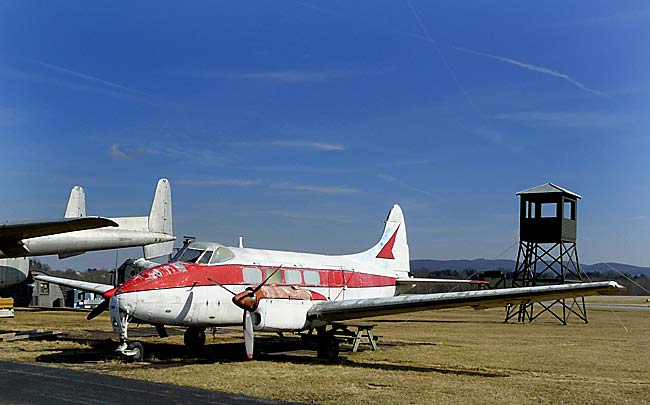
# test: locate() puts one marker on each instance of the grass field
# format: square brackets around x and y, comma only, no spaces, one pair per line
[458,355]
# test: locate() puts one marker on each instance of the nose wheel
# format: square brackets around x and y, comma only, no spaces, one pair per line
[134,352]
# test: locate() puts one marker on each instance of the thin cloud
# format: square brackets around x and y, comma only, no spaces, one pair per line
[71,85]
[219,182]
[392,179]
[528,66]
[626,17]
[303,215]
[281,77]
[315,188]
[301,169]
[559,119]
[115,153]
[322,146]
[84,76]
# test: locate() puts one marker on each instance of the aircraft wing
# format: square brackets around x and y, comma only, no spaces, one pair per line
[12,233]
[79,285]
[414,280]
[329,311]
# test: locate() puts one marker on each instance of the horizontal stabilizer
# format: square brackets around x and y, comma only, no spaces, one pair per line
[158,249]
[79,285]
[369,307]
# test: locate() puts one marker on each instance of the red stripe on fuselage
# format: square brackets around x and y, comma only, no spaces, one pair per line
[174,275]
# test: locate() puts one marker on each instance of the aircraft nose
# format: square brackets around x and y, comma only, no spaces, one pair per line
[126,302]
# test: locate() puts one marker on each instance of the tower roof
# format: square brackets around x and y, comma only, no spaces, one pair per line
[548,188]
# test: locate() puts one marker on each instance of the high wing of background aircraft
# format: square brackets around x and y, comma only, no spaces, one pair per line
[208,284]
[77,233]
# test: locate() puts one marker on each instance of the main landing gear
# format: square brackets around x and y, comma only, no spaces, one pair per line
[194,339]
[328,345]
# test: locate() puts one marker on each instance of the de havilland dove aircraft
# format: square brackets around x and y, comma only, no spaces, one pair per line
[77,233]
[208,284]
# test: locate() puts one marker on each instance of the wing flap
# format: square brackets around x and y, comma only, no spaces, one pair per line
[330,311]
[79,285]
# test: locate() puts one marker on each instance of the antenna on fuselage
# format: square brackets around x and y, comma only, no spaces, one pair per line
[241,241]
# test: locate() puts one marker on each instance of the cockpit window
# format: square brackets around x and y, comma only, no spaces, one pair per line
[221,255]
[205,259]
[190,256]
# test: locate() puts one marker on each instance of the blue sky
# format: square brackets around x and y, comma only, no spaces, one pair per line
[299,123]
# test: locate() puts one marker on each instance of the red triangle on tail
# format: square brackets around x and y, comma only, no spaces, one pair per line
[387,251]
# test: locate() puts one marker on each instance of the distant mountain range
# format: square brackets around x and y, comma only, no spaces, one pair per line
[509,265]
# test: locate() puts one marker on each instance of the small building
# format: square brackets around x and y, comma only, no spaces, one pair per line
[46,294]
[82,299]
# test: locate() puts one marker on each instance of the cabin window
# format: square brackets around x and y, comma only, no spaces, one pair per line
[252,275]
[293,276]
[190,256]
[549,210]
[312,277]
[221,255]
[275,277]
[205,259]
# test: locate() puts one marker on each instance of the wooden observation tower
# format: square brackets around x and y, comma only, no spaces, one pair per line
[547,251]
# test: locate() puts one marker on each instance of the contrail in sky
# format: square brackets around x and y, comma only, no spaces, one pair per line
[528,66]
[83,76]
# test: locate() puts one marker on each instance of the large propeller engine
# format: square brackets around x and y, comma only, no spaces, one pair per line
[248,300]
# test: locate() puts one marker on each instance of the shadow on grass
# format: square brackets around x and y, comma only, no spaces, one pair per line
[431,321]
[267,349]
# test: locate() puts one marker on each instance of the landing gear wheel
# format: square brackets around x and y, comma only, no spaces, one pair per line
[194,339]
[134,352]
[328,347]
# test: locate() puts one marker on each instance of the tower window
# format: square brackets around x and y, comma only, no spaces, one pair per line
[549,210]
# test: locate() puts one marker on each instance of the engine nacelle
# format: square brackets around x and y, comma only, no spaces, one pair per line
[277,315]
[13,271]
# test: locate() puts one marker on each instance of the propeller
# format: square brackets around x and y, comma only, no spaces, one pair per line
[103,306]
[248,301]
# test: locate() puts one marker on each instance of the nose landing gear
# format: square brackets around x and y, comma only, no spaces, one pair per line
[129,351]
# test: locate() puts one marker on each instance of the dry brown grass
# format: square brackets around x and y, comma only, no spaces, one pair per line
[457,355]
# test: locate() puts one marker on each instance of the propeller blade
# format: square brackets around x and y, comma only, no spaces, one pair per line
[248,334]
[267,279]
[220,285]
[103,306]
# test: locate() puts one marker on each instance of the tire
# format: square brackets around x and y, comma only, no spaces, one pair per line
[138,351]
[194,339]
[328,347]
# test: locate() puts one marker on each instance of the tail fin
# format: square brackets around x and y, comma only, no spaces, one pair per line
[160,220]
[392,251]
[76,203]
